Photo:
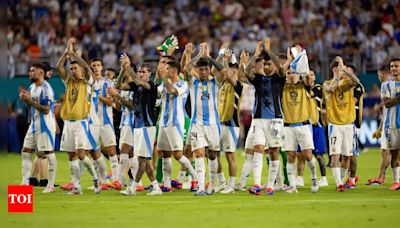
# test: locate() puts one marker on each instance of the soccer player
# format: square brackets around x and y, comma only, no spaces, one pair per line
[384,75]
[205,128]
[228,111]
[74,112]
[41,131]
[174,92]
[102,129]
[268,119]
[358,99]
[110,74]
[318,122]
[297,127]
[391,98]
[338,93]
[144,99]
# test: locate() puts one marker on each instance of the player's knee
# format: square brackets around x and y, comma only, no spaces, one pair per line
[212,155]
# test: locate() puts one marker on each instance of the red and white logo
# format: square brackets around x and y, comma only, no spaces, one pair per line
[20,198]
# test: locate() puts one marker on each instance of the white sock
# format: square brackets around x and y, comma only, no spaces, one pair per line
[272,172]
[257,168]
[221,178]
[134,166]
[155,185]
[75,172]
[396,172]
[200,168]
[232,181]
[353,179]
[114,166]
[167,170]
[336,175]
[213,169]
[123,163]
[313,167]
[26,167]
[133,186]
[246,169]
[279,177]
[81,169]
[343,173]
[88,163]
[181,175]
[186,163]
[51,158]
[102,166]
[291,171]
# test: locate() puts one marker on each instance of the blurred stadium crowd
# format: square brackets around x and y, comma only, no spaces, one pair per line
[365,32]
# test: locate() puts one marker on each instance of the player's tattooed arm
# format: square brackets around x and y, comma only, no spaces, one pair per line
[26,97]
[190,65]
[119,100]
[274,58]
[120,79]
[167,82]
[391,102]
[244,59]
[60,64]
[249,70]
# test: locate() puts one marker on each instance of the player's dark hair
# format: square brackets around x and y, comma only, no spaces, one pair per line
[203,62]
[96,60]
[384,68]
[333,64]
[111,69]
[265,56]
[147,66]
[282,56]
[41,66]
[169,57]
[175,65]
[395,60]
[74,62]
[353,68]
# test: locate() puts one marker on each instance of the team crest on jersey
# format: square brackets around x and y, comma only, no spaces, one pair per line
[294,94]
[340,95]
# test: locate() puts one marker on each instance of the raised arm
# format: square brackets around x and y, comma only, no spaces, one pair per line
[249,70]
[61,62]
[190,65]
[274,58]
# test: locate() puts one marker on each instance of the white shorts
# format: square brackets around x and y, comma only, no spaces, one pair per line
[393,138]
[250,137]
[205,136]
[298,136]
[384,142]
[75,136]
[126,136]
[268,132]
[188,137]
[39,141]
[229,138]
[144,139]
[101,135]
[341,139]
[170,139]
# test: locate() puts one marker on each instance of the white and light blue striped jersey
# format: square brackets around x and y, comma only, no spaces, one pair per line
[104,111]
[173,106]
[40,122]
[204,100]
[94,100]
[128,116]
[391,89]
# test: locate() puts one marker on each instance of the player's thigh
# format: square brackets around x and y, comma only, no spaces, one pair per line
[335,138]
[275,133]
[29,140]
[213,136]
[107,135]
[260,131]
[304,136]
[348,133]
[80,129]
[68,138]
[229,138]
[393,138]
[289,139]
[144,141]
[198,137]
[93,137]
[126,136]
[45,141]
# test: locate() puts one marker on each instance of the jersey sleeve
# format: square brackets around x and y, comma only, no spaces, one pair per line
[47,97]
[239,88]
[358,92]
[385,90]
[256,80]
[133,87]
[182,87]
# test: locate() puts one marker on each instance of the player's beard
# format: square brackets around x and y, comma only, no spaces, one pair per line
[33,80]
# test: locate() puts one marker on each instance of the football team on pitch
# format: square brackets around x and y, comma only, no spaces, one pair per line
[191,111]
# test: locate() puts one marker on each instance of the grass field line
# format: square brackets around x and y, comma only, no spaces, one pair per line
[262,201]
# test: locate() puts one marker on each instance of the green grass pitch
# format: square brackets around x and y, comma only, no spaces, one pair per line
[366,206]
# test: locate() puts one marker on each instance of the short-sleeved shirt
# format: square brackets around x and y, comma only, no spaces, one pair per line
[104,111]
[127,116]
[390,89]
[144,101]
[173,105]
[316,105]
[44,95]
[268,96]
